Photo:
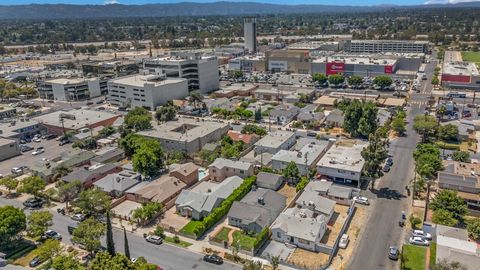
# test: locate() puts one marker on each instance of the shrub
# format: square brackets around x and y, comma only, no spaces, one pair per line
[261,238]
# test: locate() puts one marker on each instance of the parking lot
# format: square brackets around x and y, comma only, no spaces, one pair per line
[52,149]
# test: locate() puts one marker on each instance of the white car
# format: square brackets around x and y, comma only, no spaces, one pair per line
[39,151]
[344,241]
[37,139]
[419,241]
[421,233]
[361,200]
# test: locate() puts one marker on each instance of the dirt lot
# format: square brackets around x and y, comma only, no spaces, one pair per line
[288,192]
[358,221]
[335,224]
[307,259]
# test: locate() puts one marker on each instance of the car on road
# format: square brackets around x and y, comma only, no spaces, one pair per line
[344,241]
[18,170]
[33,203]
[154,239]
[419,241]
[393,253]
[35,262]
[38,151]
[421,233]
[213,259]
[361,200]
[79,217]
[386,168]
[51,234]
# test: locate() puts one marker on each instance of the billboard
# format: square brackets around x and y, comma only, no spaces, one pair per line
[388,69]
[335,68]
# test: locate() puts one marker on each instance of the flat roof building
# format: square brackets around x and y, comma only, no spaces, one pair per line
[69,89]
[148,91]
[460,75]
[274,142]
[250,34]
[378,46]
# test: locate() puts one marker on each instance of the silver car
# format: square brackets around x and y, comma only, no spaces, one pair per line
[154,239]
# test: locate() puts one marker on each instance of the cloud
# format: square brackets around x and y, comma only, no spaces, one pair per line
[449,1]
[110,2]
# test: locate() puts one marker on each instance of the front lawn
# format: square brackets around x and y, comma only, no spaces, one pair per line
[25,258]
[181,243]
[188,228]
[413,257]
[245,242]
[222,235]
[433,253]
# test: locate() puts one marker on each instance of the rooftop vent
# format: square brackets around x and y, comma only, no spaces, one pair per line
[261,200]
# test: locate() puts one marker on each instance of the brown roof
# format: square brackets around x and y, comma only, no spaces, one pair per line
[161,189]
[237,136]
[185,169]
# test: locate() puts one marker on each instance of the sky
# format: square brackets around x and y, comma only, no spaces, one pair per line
[328,2]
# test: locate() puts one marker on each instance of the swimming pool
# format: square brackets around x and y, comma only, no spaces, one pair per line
[202,173]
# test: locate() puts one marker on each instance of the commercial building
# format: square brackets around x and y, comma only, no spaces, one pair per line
[200,71]
[69,89]
[380,46]
[274,142]
[291,61]
[8,148]
[313,47]
[187,135]
[250,34]
[112,68]
[462,75]
[148,91]
[343,162]
[248,63]
[75,120]
[7,112]
[354,65]
[20,129]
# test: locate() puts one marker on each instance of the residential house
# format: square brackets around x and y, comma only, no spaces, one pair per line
[283,114]
[68,159]
[274,142]
[198,202]
[109,155]
[247,139]
[222,168]
[257,210]
[299,227]
[334,119]
[162,190]
[187,173]
[269,180]
[89,174]
[310,199]
[310,117]
[117,184]
[454,245]
[463,178]
[305,159]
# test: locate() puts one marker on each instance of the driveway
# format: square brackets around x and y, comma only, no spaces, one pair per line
[274,248]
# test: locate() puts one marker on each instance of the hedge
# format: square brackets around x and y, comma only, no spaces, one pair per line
[199,228]
[301,185]
[261,238]
[447,146]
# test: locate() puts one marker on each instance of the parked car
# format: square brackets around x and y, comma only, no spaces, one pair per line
[421,233]
[393,253]
[419,241]
[79,217]
[33,203]
[389,161]
[50,234]
[26,148]
[213,259]
[386,168]
[361,200]
[18,170]
[344,241]
[50,136]
[40,150]
[154,239]
[35,262]
[63,142]
[37,139]
[72,227]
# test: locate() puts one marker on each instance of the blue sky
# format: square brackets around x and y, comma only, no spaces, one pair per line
[350,2]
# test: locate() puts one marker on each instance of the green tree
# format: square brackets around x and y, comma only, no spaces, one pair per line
[414,221]
[336,79]
[473,228]
[93,201]
[64,262]
[250,129]
[32,185]
[428,165]
[237,74]
[374,155]
[125,241]
[67,191]
[9,183]
[435,80]
[448,132]
[425,148]
[88,234]
[258,115]
[130,143]
[251,265]
[166,113]
[450,201]
[103,261]
[274,262]
[12,222]
[461,156]
[399,126]
[383,81]
[353,114]
[196,99]
[355,81]
[291,172]
[425,125]
[110,242]
[48,250]
[38,223]
[319,78]
[146,212]
[106,131]
[444,217]
[138,118]
[368,122]
[149,158]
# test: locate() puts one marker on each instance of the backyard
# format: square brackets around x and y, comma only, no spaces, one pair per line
[413,257]
[244,241]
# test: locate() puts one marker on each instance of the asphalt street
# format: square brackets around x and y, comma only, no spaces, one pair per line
[390,196]
[167,256]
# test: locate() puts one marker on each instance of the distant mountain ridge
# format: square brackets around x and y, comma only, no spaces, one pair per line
[59,11]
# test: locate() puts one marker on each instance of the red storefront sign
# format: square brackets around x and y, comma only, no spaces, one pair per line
[335,68]
[388,69]
[456,78]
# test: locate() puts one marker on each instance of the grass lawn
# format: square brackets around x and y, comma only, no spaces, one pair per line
[413,257]
[433,253]
[471,56]
[222,235]
[448,145]
[180,244]
[246,242]
[188,228]
[19,250]
[25,258]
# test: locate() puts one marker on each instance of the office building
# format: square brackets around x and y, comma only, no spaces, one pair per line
[250,34]
[200,71]
[69,89]
[148,91]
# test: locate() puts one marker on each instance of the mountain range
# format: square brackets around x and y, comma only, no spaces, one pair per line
[60,11]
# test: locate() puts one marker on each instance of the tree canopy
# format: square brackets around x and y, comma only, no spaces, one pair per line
[449,201]
[32,185]
[38,223]
[360,118]
[138,119]
[93,201]
[383,81]
[12,222]
[88,234]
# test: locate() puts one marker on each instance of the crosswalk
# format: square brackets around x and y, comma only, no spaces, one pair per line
[418,102]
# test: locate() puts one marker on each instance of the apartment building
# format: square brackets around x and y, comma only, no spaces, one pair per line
[148,91]
[200,71]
